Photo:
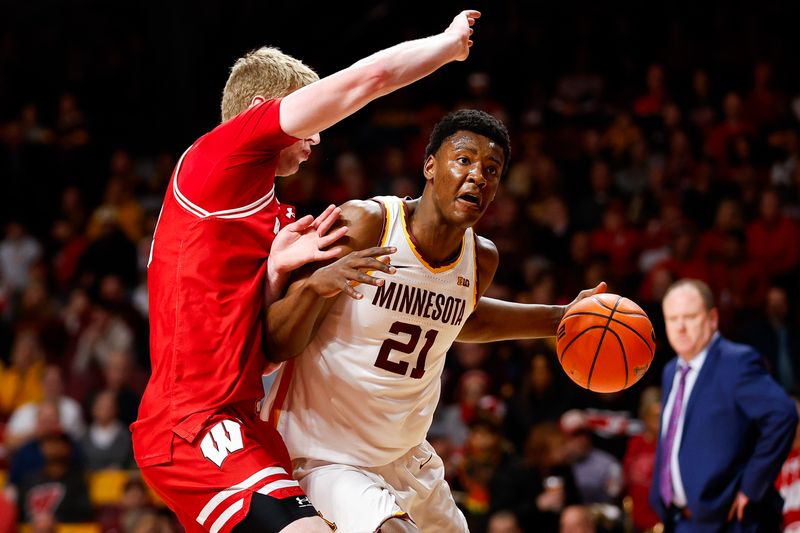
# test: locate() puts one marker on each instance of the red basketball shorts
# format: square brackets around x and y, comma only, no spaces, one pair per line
[209,482]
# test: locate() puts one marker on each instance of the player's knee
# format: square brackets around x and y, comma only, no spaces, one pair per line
[281,515]
[397,524]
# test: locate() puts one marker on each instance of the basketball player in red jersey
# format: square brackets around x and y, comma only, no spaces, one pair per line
[197,439]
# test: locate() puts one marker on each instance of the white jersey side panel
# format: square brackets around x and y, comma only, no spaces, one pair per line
[365,389]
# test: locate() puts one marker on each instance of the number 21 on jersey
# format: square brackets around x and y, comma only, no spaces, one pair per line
[414,333]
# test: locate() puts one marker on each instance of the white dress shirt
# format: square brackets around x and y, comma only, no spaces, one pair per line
[679,493]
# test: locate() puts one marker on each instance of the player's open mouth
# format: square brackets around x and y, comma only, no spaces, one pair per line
[471,199]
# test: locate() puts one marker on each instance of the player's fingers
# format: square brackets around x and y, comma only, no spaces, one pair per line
[301,224]
[351,292]
[360,277]
[601,287]
[328,210]
[367,264]
[324,255]
[376,251]
[740,511]
[334,236]
[326,221]
[471,13]
[732,511]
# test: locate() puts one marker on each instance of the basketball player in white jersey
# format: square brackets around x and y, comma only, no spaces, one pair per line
[354,408]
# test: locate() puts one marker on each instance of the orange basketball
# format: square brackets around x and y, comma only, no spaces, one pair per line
[605,343]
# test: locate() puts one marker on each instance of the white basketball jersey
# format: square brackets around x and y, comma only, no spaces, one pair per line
[364,390]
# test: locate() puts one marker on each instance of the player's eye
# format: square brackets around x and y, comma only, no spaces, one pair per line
[464,160]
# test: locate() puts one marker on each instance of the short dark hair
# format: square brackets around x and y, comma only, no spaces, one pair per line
[475,121]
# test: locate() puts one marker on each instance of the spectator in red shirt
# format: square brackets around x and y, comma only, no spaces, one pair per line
[617,240]
[765,104]
[653,100]
[640,456]
[739,282]
[773,240]
[732,125]
[728,218]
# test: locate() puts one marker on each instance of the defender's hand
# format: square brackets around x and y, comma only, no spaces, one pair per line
[350,270]
[306,240]
[462,28]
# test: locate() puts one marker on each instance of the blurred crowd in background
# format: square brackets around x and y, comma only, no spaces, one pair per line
[679,159]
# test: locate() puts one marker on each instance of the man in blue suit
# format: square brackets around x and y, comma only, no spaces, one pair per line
[726,426]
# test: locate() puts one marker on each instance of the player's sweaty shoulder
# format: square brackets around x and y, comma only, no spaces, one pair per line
[364,220]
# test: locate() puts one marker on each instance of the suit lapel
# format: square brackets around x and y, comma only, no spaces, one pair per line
[669,377]
[705,376]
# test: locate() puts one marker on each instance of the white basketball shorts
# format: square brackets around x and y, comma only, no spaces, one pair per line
[359,499]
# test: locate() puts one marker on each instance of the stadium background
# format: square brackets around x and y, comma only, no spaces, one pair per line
[623,170]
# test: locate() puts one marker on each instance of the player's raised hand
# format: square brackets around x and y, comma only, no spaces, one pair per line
[462,28]
[306,240]
[342,275]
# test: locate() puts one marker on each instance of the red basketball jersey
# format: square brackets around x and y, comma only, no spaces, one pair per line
[206,279]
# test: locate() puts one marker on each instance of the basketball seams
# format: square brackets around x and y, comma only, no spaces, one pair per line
[633,330]
[599,312]
[604,305]
[576,337]
[624,355]
[600,343]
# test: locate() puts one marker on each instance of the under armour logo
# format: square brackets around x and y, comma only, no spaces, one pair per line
[462,281]
[303,501]
[289,212]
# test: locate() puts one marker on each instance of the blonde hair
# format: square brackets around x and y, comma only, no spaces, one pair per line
[266,72]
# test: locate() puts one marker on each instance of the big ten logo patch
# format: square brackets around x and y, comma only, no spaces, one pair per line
[463,282]
[222,440]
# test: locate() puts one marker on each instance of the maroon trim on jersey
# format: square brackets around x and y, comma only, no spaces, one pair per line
[448,262]
[477,270]
[384,229]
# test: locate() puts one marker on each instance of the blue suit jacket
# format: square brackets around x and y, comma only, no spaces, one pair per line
[737,431]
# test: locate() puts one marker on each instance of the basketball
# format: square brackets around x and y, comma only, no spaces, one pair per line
[605,343]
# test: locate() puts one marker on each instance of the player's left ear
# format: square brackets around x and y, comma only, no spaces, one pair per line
[257,99]
[429,168]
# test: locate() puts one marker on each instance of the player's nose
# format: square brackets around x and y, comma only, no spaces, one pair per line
[314,139]
[476,175]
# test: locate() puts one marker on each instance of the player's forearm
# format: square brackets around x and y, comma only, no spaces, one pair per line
[320,105]
[291,321]
[498,320]
[410,61]
[276,282]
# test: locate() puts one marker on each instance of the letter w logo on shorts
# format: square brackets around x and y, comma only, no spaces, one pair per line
[222,440]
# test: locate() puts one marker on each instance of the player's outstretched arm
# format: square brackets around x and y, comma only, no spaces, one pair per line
[322,104]
[499,320]
[293,319]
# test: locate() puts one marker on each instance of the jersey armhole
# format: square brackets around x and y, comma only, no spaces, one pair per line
[476,293]
[386,222]
[196,210]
